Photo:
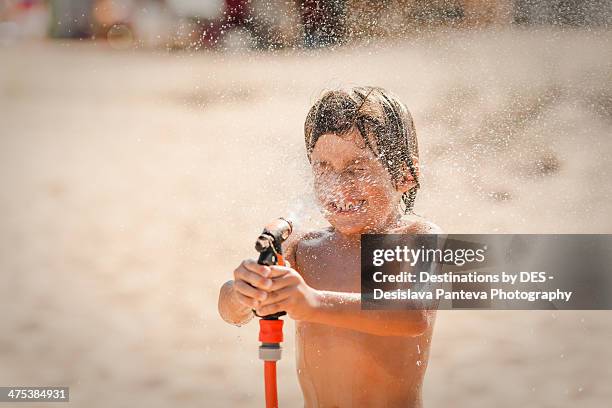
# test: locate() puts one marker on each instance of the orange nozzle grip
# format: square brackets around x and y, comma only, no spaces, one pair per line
[270,331]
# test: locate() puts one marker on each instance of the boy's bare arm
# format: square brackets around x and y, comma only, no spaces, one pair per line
[289,292]
[238,297]
[343,309]
[230,308]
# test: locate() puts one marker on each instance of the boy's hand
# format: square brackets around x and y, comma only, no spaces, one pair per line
[290,293]
[251,282]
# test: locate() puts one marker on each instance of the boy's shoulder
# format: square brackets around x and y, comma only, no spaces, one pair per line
[305,239]
[415,224]
[314,237]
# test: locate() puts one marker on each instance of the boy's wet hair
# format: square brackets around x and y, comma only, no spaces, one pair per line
[383,121]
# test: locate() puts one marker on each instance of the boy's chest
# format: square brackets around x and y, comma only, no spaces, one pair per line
[330,267]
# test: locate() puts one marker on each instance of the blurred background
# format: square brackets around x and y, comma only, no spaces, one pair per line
[265,24]
[144,144]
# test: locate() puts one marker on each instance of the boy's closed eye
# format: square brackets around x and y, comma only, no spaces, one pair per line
[356,168]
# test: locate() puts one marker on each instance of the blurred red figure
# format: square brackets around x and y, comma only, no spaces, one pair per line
[236,14]
[239,14]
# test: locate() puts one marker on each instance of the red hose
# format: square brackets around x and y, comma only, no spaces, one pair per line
[270,382]
[270,335]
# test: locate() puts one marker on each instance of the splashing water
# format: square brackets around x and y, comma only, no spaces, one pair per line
[304,213]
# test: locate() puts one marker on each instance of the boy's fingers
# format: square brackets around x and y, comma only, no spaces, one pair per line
[253,266]
[278,295]
[247,290]
[252,278]
[276,271]
[247,301]
[273,308]
[284,281]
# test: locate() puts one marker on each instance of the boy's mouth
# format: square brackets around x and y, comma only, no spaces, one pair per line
[346,207]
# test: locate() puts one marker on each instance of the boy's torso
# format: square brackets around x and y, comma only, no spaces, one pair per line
[342,368]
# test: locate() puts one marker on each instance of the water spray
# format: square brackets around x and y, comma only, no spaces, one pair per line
[268,245]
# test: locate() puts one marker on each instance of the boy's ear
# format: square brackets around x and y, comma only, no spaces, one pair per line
[407,180]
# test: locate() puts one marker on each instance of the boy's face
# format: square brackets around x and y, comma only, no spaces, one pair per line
[354,189]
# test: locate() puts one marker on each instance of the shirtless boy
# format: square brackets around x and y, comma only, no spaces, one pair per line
[363,149]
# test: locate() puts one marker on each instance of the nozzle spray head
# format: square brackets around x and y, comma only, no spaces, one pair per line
[269,246]
[269,242]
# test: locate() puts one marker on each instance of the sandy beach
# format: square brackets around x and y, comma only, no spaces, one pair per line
[134,181]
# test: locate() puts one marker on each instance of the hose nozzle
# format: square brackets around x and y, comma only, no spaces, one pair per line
[269,242]
[269,246]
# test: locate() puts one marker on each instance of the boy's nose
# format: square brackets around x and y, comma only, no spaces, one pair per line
[340,189]
[341,179]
